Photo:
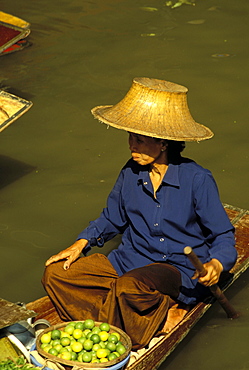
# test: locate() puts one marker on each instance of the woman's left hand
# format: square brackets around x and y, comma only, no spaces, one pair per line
[214,269]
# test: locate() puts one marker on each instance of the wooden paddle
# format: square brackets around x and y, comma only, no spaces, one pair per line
[215,289]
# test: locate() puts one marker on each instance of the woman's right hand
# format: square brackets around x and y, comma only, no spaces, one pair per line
[70,254]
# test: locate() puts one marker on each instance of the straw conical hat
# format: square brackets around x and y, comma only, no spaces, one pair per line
[154,108]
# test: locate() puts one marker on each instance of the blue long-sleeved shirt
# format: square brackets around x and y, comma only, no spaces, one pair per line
[186,212]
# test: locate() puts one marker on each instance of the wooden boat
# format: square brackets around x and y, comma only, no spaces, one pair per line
[153,356]
[13,31]
[11,108]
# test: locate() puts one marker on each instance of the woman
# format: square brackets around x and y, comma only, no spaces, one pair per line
[160,203]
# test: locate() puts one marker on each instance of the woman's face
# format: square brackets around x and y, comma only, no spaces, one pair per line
[146,150]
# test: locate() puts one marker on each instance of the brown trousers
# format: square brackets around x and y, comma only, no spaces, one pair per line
[136,302]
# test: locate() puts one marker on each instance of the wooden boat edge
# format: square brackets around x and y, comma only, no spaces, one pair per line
[13,20]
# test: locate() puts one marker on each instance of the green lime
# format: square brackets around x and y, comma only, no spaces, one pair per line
[89,324]
[81,340]
[112,356]
[63,349]
[95,361]
[74,356]
[104,326]
[79,357]
[113,338]
[53,351]
[79,325]
[89,334]
[71,323]
[96,346]
[65,341]
[43,345]
[121,349]
[94,354]
[102,344]
[117,335]
[88,344]
[47,348]
[58,347]
[111,346]
[86,331]
[69,348]
[87,357]
[95,338]
[108,351]
[69,329]
[55,342]
[55,334]
[96,330]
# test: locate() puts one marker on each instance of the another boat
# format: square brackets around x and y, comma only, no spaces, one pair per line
[160,348]
[13,33]
[11,108]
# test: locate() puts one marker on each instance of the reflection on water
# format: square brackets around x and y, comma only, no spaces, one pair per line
[58,164]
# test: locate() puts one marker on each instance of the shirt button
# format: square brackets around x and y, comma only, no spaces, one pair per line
[145,183]
[155,224]
[161,239]
[164,257]
[158,206]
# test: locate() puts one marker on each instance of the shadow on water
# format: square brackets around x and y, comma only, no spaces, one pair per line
[12,170]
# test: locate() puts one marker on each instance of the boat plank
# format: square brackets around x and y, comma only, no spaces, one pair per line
[45,310]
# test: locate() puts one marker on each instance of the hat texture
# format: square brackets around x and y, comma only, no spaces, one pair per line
[155,108]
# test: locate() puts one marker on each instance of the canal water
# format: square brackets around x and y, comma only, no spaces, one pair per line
[58,164]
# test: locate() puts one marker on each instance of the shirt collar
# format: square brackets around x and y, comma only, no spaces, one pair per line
[171,177]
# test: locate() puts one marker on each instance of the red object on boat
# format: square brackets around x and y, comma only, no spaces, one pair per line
[10,35]
[7,34]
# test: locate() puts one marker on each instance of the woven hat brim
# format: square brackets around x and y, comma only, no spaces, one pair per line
[192,131]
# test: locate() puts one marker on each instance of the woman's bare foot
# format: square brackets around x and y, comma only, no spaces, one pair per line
[175,314]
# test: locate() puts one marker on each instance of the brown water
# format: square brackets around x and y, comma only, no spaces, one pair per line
[58,164]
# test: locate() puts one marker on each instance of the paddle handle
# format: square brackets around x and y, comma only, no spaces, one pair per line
[215,289]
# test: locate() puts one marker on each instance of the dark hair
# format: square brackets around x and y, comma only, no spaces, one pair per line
[174,149]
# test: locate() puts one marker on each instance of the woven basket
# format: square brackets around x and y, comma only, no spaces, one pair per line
[124,338]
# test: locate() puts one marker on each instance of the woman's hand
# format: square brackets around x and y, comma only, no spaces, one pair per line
[214,269]
[70,254]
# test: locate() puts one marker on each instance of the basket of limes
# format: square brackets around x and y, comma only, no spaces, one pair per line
[88,344]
